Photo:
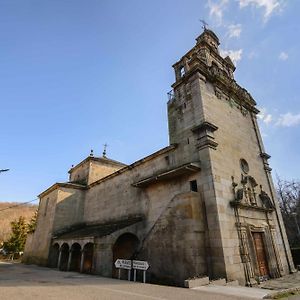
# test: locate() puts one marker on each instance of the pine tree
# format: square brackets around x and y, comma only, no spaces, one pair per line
[16,242]
[32,223]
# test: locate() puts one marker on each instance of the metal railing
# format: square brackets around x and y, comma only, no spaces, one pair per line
[171,95]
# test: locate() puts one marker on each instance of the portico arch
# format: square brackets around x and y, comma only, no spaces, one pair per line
[64,257]
[87,258]
[125,247]
[75,258]
[53,256]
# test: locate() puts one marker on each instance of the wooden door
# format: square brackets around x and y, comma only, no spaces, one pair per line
[260,253]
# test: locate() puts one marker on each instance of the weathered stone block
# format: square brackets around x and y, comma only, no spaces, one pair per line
[195,282]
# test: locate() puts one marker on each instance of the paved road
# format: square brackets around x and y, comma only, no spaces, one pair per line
[18,281]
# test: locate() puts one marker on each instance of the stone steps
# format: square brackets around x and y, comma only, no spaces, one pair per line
[197,282]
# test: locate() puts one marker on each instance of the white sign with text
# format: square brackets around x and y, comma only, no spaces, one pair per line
[140,265]
[123,264]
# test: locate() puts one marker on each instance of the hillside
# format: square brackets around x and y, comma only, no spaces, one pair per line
[9,215]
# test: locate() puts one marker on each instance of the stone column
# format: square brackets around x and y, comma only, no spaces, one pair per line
[69,260]
[59,258]
[81,261]
[277,256]
[245,255]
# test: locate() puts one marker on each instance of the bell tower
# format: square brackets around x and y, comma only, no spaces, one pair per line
[212,119]
[187,114]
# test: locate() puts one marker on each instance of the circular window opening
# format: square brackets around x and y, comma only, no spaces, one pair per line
[244,165]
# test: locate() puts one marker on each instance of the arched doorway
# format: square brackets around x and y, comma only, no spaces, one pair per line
[75,257]
[64,257]
[87,264]
[53,256]
[124,248]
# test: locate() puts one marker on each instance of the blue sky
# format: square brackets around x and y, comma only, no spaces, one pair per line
[76,74]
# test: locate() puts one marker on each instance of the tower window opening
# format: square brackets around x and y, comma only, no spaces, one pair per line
[46,206]
[182,71]
[193,186]
[167,159]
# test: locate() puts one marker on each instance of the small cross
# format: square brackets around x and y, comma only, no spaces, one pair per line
[104,150]
[204,24]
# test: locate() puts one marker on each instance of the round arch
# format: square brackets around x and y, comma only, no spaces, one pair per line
[88,255]
[75,257]
[64,257]
[125,247]
[53,256]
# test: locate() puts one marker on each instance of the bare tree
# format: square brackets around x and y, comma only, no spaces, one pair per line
[289,201]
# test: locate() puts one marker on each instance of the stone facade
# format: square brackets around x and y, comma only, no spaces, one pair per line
[203,206]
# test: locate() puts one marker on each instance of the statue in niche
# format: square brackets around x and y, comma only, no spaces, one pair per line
[246,194]
[252,196]
[265,199]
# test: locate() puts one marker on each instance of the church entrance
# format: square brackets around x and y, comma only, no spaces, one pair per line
[261,254]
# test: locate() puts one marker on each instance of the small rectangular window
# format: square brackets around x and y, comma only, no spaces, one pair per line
[193,186]
[46,206]
[167,159]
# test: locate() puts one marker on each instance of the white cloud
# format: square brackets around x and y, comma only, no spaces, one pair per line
[235,55]
[283,56]
[288,120]
[264,116]
[234,30]
[263,134]
[269,6]
[216,9]
[253,54]
[268,119]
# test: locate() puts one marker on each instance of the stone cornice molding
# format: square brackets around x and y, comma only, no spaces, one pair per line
[220,79]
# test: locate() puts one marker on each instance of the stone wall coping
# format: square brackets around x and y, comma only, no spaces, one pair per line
[186,168]
[103,160]
[57,185]
[135,164]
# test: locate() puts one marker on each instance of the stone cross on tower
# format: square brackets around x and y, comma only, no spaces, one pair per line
[204,24]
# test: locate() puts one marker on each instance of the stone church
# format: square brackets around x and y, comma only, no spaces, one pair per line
[203,206]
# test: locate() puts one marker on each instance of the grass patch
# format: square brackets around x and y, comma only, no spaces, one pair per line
[286,295]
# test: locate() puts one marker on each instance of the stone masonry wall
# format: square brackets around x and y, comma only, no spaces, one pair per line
[175,247]
[37,246]
[236,139]
[99,170]
[69,208]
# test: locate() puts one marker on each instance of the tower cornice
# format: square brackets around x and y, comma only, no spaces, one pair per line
[221,81]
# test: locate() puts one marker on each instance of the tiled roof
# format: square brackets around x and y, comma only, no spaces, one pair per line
[97,230]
